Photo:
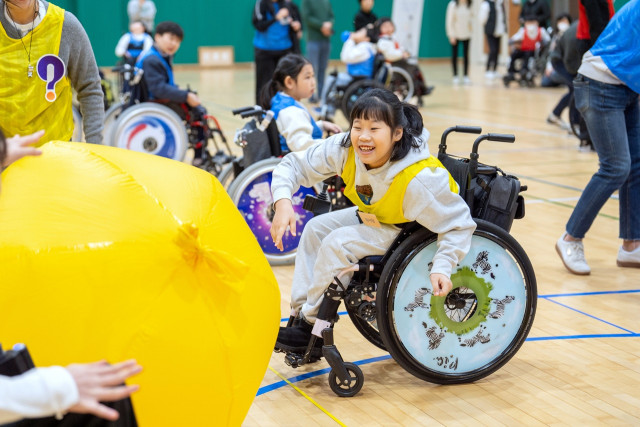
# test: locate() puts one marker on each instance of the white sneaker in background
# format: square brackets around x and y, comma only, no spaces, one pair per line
[628,259]
[466,81]
[572,256]
[456,81]
[489,75]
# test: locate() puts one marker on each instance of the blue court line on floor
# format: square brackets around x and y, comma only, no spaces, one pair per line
[579,294]
[306,376]
[589,315]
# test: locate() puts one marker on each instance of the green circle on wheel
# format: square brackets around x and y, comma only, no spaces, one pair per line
[465,277]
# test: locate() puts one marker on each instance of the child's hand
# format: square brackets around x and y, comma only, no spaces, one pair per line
[19,147]
[441,284]
[285,216]
[193,100]
[331,128]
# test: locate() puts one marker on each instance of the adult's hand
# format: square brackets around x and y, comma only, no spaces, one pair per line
[100,382]
[20,146]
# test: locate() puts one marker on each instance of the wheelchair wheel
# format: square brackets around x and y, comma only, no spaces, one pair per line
[110,118]
[151,128]
[355,91]
[367,327]
[401,83]
[356,380]
[226,175]
[78,133]
[251,193]
[474,330]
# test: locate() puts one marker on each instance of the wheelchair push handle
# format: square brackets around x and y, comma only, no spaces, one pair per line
[241,110]
[442,148]
[501,137]
[252,113]
[473,158]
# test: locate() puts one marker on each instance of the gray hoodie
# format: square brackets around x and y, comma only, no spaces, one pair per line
[427,200]
[77,55]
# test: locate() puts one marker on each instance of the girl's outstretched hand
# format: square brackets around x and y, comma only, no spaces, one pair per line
[285,216]
[441,284]
[331,127]
[20,146]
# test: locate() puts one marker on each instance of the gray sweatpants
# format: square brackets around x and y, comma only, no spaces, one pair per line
[329,244]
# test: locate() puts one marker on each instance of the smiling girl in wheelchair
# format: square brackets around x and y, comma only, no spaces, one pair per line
[392,179]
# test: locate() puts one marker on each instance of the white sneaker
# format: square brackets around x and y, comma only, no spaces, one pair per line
[572,255]
[489,75]
[628,259]
[456,80]
[555,120]
[466,81]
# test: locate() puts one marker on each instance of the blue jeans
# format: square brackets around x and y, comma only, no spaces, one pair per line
[318,54]
[612,114]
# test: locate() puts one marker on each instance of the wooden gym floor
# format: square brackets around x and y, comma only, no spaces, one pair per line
[581,362]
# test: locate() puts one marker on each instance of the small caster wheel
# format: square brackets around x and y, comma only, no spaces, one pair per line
[356,379]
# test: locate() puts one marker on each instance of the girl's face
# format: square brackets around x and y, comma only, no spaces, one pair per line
[387,28]
[303,86]
[373,141]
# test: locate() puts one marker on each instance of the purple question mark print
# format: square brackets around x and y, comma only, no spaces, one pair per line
[51,69]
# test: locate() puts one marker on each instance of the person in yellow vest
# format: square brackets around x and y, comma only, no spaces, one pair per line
[390,176]
[44,53]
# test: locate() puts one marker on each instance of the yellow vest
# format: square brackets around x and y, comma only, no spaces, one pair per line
[43,101]
[388,209]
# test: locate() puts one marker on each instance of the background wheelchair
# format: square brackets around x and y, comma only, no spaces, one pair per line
[154,128]
[460,338]
[528,70]
[248,183]
[344,95]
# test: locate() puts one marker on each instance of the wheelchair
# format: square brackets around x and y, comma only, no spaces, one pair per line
[248,183]
[344,95]
[460,338]
[153,127]
[528,70]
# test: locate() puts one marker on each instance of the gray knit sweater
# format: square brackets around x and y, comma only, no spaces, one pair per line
[77,54]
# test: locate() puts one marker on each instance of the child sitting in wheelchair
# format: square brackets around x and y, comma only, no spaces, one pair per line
[392,179]
[157,82]
[292,81]
[130,47]
[358,53]
[526,43]
[398,56]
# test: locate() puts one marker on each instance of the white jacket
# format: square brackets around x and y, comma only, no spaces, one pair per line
[458,21]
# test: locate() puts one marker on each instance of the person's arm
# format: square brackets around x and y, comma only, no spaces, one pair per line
[123,43]
[517,37]
[483,14]
[449,22]
[260,20]
[133,10]
[85,78]
[155,76]
[430,202]
[294,125]
[354,53]
[37,393]
[546,38]
[148,43]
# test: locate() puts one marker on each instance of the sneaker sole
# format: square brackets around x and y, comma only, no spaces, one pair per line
[579,273]
[628,264]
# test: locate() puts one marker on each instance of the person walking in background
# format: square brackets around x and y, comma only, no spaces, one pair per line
[563,23]
[606,93]
[458,28]
[272,40]
[493,19]
[365,15]
[318,19]
[143,11]
[39,32]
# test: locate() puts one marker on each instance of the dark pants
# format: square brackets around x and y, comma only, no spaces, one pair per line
[465,56]
[494,50]
[266,62]
[124,407]
[519,54]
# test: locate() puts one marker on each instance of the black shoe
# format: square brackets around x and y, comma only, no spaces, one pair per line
[429,90]
[296,339]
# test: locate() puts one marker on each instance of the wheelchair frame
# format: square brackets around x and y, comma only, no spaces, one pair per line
[500,274]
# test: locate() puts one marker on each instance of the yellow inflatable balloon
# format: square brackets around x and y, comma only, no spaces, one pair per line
[112,254]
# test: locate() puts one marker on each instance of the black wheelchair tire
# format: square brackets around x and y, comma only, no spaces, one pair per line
[354,386]
[366,329]
[391,274]
[226,175]
[400,73]
[354,91]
